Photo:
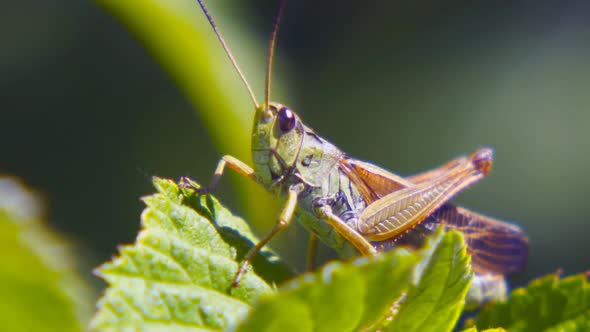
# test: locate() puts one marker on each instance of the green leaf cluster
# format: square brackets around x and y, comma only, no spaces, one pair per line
[550,303]
[178,276]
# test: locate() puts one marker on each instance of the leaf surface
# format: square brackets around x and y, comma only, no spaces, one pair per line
[435,302]
[39,287]
[178,274]
[363,294]
[549,303]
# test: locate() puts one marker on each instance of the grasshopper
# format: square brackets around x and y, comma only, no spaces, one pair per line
[356,207]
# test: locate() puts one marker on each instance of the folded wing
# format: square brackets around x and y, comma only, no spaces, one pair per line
[495,246]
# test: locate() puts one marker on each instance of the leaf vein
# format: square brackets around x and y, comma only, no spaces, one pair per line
[171,258]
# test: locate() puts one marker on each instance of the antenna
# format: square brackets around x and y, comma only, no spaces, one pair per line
[271,47]
[228,52]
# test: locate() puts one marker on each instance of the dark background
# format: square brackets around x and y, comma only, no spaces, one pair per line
[87,116]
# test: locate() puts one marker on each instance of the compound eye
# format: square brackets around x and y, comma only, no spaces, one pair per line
[286,120]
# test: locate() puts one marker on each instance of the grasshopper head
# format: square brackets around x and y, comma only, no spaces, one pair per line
[276,139]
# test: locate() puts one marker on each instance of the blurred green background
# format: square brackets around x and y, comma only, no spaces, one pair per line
[88,116]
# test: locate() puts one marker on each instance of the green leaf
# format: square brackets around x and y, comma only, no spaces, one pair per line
[473,329]
[340,297]
[178,276]
[179,272]
[548,303]
[178,36]
[436,301]
[580,323]
[39,289]
[362,294]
